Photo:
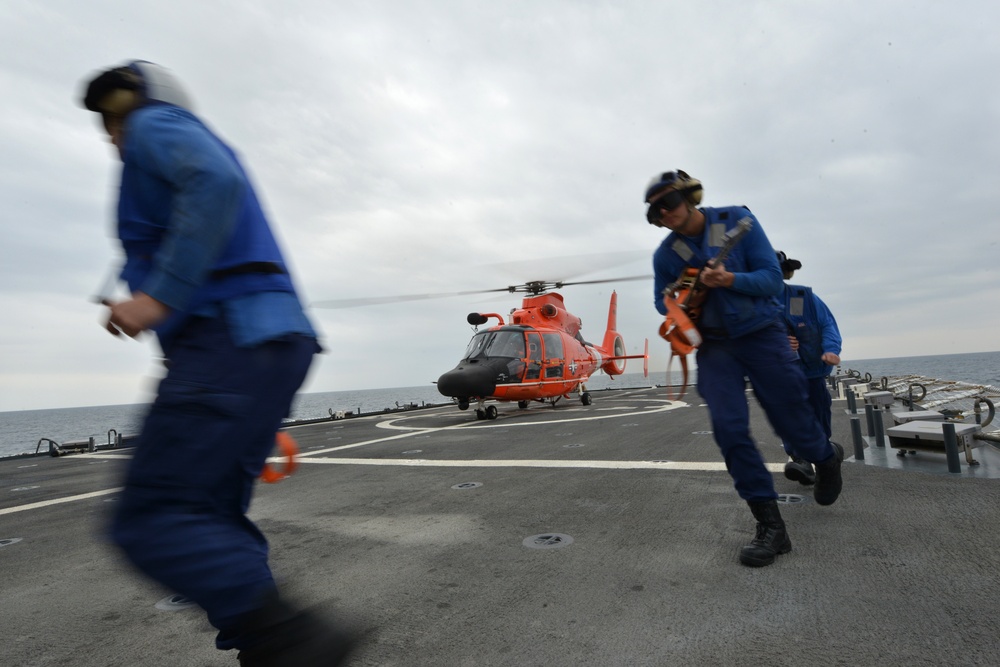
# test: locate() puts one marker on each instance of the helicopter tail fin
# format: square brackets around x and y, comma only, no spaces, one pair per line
[612,314]
[613,342]
[614,345]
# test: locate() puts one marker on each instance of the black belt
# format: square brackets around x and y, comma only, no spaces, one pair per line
[249,267]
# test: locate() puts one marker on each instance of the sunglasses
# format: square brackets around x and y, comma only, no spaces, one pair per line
[668,202]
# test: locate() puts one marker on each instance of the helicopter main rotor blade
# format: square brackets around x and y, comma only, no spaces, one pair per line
[535,287]
[565,266]
[401,298]
[608,280]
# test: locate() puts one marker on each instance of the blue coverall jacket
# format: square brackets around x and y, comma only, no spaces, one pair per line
[750,303]
[812,323]
[744,339]
[238,346]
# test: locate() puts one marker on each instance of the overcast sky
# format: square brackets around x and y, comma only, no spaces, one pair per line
[408,147]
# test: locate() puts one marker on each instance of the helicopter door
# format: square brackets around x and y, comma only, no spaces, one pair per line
[554,361]
[534,370]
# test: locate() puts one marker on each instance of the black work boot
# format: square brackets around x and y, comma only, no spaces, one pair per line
[800,471]
[771,539]
[284,637]
[828,479]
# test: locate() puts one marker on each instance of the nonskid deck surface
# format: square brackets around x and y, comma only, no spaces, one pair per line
[580,535]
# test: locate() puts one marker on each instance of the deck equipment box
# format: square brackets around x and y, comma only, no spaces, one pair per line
[917,415]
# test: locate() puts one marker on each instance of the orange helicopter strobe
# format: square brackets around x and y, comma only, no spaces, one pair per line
[539,356]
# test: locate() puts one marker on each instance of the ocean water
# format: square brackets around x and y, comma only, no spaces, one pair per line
[21,431]
[975,367]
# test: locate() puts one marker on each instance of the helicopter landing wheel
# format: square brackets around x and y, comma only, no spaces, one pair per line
[491,412]
[463,405]
[522,404]
[585,398]
[480,414]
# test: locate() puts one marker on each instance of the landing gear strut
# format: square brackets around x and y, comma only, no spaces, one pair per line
[486,412]
[585,395]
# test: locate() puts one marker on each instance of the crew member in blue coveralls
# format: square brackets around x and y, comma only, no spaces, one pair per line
[205,274]
[814,335]
[744,337]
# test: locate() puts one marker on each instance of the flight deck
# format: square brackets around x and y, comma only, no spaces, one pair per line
[605,534]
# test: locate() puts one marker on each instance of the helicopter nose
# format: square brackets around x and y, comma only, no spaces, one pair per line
[467,380]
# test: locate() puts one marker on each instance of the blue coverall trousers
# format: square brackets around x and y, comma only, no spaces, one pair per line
[821,402]
[182,515]
[774,371]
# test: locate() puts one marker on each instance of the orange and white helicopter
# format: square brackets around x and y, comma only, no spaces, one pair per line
[539,355]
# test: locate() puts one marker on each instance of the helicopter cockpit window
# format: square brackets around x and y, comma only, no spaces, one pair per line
[534,357]
[553,355]
[478,344]
[507,344]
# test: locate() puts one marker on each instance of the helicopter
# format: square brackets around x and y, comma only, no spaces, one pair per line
[538,354]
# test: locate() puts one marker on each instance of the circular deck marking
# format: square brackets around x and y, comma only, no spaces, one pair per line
[25,488]
[9,541]
[175,603]
[468,485]
[33,465]
[701,433]
[547,541]
[411,422]
[417,426]
[412,451]
[791,499]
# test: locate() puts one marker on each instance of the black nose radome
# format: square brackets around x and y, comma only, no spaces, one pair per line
[468,380]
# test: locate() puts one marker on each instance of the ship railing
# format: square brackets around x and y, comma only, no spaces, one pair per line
[116,440]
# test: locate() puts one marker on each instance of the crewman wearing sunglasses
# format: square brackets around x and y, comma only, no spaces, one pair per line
[743,337]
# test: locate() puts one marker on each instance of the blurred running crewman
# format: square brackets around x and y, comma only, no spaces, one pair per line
[813,333]
[744,338]
[206,276]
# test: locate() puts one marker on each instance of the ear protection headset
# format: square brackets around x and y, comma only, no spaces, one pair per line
[121,89]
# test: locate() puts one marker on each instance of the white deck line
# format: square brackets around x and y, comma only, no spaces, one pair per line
[58,501]
[702,466]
